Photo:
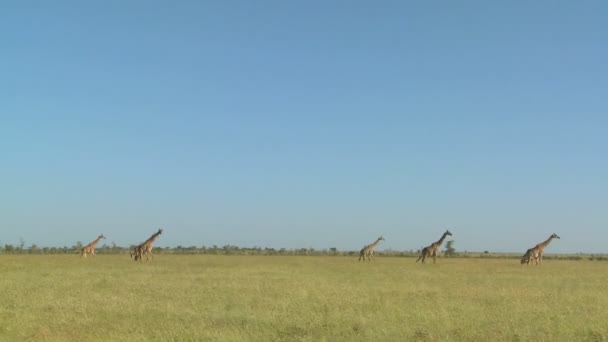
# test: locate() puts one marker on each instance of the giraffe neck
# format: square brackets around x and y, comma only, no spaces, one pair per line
[151,239]
[92,244]
[441,240]
[546,242]
[374,244]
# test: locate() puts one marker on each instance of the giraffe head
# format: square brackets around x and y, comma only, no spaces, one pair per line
[160,231]
[101,236]
[380,238]
[447,232]
[555,236]
[526,257]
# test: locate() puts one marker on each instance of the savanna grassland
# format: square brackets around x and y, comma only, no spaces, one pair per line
[282,298]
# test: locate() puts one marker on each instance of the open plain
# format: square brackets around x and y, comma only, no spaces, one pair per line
[293,298]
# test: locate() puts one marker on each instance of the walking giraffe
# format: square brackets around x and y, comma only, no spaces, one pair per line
[433,248]
[536,253]
[368,250]
[146,247]
[90,248]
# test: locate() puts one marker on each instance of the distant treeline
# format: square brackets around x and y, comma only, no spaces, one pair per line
[236,250]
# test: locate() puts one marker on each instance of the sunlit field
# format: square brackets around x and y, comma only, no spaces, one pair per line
[283,298]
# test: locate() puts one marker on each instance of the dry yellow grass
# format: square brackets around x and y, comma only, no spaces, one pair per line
[242,298]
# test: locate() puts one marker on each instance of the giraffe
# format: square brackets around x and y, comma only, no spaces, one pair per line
[90,248]
[536,253]
[433,248]
[529,255]
[368,250]
[146,247]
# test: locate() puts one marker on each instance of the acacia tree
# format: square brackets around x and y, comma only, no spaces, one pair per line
[449,248]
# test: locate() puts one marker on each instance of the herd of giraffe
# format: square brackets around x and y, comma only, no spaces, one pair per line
[533,254]
[137,252]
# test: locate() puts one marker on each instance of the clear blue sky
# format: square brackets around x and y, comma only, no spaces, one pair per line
[305,123]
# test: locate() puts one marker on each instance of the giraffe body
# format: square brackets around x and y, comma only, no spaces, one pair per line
[537,252]
[146,247]
[431,251]
[90,248]
[368,250]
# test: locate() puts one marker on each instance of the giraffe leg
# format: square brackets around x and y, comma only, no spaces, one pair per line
[421,256]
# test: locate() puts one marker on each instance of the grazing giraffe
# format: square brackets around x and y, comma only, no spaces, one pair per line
[90,248]
[146,247]
[529,255]
[433,248]
[538,251]
[368,251]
